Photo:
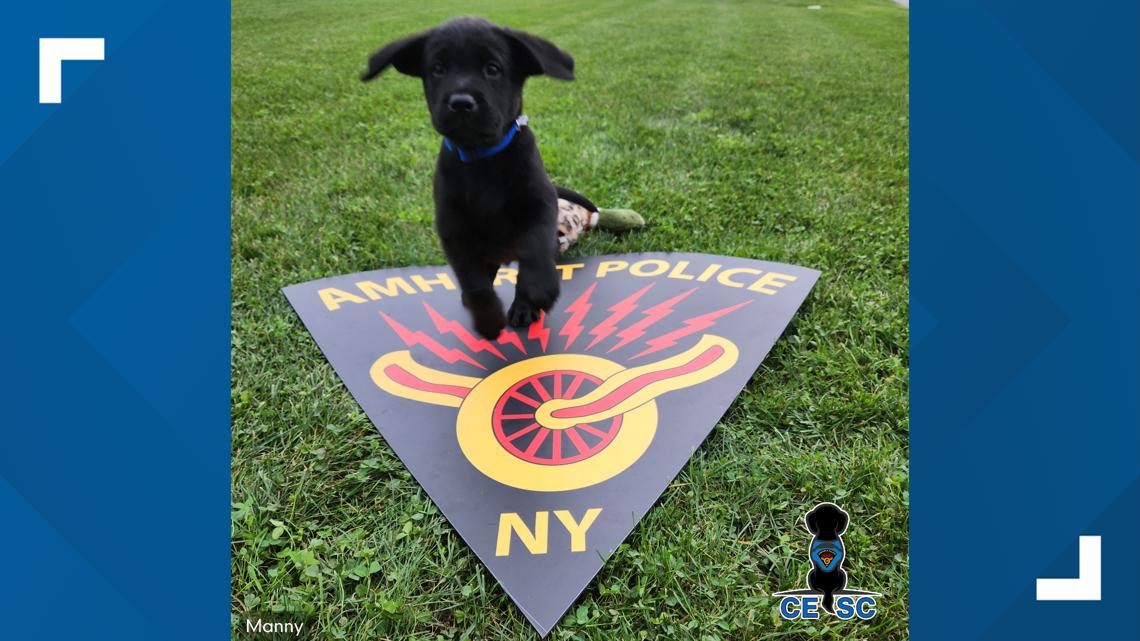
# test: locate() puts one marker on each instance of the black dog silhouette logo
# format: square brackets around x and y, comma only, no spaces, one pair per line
[826,522]
[827,580]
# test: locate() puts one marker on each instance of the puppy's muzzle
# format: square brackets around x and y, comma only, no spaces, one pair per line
[462,102]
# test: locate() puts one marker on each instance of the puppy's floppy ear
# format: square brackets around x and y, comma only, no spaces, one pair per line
[537,56]
[406,55]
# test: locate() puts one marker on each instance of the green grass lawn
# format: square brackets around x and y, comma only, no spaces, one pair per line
[760,129]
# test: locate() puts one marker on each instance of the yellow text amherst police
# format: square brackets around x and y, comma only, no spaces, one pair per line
[750,278]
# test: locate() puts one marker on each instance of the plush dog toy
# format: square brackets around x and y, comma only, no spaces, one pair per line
[575,219]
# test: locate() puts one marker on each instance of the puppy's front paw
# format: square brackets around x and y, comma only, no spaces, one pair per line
[521,314]
[540,296]
[490,323]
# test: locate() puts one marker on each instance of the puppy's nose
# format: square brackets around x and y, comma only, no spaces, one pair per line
[461,102]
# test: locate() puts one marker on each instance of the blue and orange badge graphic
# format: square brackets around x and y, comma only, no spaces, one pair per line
[544,447]
[827,555]
[827,580]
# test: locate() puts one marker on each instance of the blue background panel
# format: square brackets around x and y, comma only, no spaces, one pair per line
[114,465]
[1025,247]
[1026,304]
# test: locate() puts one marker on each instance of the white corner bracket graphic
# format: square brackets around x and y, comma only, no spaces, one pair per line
[1086,587]
[53,51]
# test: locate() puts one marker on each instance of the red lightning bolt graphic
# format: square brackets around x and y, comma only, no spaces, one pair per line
[694,324]
[444,326]
[620,311]
[537,330]
[411,338]
[509,336]
[652,315]
[572,328]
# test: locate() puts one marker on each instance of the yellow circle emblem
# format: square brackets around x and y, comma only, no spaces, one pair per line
[487,445]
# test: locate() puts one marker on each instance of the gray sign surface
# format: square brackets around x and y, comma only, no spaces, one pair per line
[545,447]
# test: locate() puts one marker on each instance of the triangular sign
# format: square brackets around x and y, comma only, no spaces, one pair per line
[545,447]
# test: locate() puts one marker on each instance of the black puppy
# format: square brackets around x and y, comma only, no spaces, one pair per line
[493,200]
[826,522]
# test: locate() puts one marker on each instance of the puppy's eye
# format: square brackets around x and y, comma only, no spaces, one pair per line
[437,69]
[493,70]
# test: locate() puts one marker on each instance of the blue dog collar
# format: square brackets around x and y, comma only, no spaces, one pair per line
[471,154]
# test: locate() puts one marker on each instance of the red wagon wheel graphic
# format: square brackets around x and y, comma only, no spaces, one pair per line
[520,434]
